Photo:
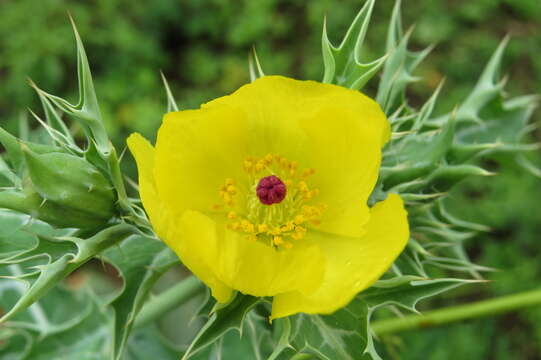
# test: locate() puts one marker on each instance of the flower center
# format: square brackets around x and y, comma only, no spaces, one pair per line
[271,190]
[268,180]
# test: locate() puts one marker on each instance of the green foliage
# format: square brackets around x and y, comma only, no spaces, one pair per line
[342,64]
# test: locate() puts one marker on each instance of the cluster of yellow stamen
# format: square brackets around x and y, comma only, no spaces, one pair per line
[228,192]
[280,224]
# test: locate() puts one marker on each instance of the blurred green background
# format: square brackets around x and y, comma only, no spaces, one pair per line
[202,47]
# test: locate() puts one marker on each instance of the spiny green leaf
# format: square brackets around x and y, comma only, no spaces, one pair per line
[87,110]
[416,156]
[442,212]
[505,124]
[342,64]
[255,343]
[230,317]
[407,293]
[140,262]
[85,339]
[341,335]
[50,273]
[488,87]
[399,67]
[57,138]
[54,120]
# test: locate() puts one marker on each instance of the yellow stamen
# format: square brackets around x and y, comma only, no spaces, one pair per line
[282,224]
[299,219]
[277,240]
[260,165]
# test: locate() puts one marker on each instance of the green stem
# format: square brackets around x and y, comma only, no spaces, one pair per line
[301,356]
[458,313]
[168,300]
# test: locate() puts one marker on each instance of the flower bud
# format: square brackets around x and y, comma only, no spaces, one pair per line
[65,190]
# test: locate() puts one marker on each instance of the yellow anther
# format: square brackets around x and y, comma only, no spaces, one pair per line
[288,226]
[308,195]
[260,165]
[268,158]
[307,210]
[248,165]
[232,215]
[234,226]
[302,186]
[252,237]
[227,198]
[299,219]
[277,240]
[288,245]
[276,231]
[308,172]
[262,228]
[231,189]
[229,181]
[247,226]
[216,207]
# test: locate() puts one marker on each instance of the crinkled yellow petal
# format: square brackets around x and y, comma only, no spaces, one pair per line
[334,130]
[246,265]
[161,219]
[352,264]
[346,155]
[143,152]
[196,151]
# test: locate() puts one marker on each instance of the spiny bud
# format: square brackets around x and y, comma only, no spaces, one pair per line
[63,186]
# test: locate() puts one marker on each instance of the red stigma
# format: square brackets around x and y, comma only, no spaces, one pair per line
[271,190]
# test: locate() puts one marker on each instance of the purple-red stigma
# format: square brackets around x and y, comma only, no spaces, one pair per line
[271,190]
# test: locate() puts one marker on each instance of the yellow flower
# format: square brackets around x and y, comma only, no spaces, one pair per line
[265,191]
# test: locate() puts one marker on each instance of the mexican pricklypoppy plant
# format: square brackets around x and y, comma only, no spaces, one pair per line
[265,191]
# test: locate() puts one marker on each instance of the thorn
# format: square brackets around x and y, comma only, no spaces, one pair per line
[122,153]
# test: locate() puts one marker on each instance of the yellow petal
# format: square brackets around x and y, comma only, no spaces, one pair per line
[196,151]
[353,264]
[334,130]
[143,152]
[345,151]
[162,222]
[247,265]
